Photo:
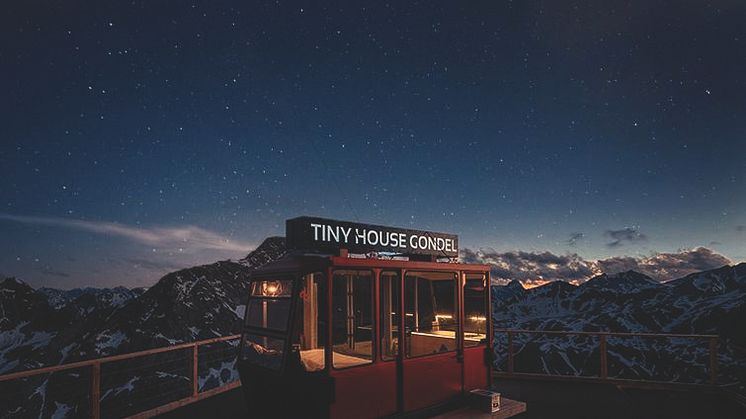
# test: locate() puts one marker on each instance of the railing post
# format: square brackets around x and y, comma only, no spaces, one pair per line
[510,352]
[195,371]
[713,360]
[604,358]
[95,390]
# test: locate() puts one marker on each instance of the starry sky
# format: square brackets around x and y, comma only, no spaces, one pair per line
[141,137]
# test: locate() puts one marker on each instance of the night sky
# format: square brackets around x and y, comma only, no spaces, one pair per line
[138,138]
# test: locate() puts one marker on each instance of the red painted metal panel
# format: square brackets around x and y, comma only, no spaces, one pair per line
[476,370]
[365,392]
[431,379]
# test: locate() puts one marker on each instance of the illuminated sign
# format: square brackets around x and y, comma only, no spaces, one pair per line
[322,235]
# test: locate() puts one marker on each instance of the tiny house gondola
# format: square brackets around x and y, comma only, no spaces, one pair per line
[331,334]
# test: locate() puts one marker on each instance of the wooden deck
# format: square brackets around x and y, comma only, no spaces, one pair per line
[508,409]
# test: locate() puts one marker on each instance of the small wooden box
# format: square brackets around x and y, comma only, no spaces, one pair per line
[485,400]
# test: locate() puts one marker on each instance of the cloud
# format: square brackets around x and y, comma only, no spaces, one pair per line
[575,238]
[532,268]
[51,272]
[740,228]
[152,264]
[183,238]
[625,235]
[667,266]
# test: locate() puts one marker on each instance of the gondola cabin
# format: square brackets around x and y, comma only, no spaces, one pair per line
[332,330]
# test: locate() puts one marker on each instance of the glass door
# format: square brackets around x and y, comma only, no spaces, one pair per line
[365,386]
[431,363]
[476,363]
[264,341]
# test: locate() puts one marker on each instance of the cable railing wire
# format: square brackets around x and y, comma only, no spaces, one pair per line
[141,382]
[120,385]
[516,353]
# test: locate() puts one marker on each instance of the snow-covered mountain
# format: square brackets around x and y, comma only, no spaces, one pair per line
[41,327]
[27,326]
[116,297]
[710,302]
[191,304]
[47,327]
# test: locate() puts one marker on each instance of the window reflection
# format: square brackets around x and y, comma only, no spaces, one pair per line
[310,326]
[475,309]
[431,318]
[263,351]
[352,321]
[269,305]
[390,307]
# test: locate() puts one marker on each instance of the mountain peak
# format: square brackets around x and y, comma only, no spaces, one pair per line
[633,275]
[272,248]
[625,282]
[13,283]
[557,285]
[714,281]
[505,292]
[515,285]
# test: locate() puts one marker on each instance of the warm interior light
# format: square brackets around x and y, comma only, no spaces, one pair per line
[443,316]
[271,288]
[478,318]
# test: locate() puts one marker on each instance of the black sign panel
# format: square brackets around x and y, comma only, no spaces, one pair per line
[328,236]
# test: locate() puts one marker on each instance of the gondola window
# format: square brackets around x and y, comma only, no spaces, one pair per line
[390,301]
[311,326]
[431,314]
[475,315]
[352,318]
[269,305]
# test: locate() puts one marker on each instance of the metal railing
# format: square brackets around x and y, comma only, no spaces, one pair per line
[95,365]
[603,355]
[95,368]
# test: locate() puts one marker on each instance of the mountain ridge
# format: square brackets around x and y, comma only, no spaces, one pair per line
[44,327]
[707,302]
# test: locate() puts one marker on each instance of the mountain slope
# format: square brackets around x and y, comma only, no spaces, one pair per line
[27,326]
[710,302]
[191,304]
